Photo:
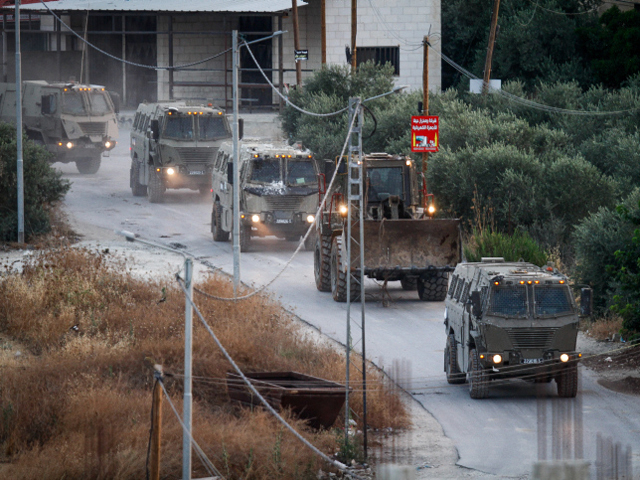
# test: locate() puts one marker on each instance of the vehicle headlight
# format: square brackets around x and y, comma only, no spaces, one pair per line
[343,210]
[564,358]
[310,218]
[107,144]
[431,209]
[170,171]
[255,218]
[497,358]
[69,145]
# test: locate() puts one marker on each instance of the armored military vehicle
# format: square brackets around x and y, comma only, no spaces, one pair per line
[402,240]
[75,122]
[174,145]
[510,320]
[278,192]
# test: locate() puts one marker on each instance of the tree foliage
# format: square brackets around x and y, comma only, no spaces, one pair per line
[42,186]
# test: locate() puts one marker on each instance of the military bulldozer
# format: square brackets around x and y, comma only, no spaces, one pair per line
[75,122]
[403,242]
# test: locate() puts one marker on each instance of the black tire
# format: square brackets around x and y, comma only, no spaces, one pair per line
[137,188]
[155,189]
[454,375]
[89,166]
[567,381]
[339,276]
[478,377]
[219,235]
[409,283]
[322,262]
[433,287]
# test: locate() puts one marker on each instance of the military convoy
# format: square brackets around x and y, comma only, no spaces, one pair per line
[402,240]
[511,320]
[75,122]
[278,192]
[175,145]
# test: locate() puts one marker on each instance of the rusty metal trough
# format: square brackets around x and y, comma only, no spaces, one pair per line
[314,399]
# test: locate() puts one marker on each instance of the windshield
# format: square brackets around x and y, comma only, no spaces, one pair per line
[300,172]
[179,128]
[99,103]
[383,182]
[508,301]
[265,171]
[72,103]
[213,128]
[552,300]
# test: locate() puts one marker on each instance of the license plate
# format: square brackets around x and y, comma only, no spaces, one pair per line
[532,360]
[196,172]
[283,220]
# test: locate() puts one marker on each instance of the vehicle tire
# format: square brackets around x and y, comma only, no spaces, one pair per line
[219,235]
[245,238]
[477,376]
[454,375]
[89,166]
[567,381]
[155,189]
[409,283]
[322,262]
[137,188]
[433,288]
[339,276]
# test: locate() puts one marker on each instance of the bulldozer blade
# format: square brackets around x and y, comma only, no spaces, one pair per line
[405,244]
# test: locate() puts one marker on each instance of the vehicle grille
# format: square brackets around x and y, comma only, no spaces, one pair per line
[283,202]
[531,337]
[197,154]
[93,128]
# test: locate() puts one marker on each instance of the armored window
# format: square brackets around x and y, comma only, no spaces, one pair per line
[179,128]
[484,295]
[265,171]
[552,300]
[213,128]
[383,182]
[219,160]
[99,103]
[459,288]
[136,121]
[145,123]
[508,301]
[72,103]
[465,292]
[300,172]
[452,285]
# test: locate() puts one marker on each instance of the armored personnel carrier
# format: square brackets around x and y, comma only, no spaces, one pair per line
[511,320]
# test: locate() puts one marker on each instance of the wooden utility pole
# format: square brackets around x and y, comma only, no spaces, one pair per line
[156,435]
[323,30]
[425,105]
[296,41]
[354,33]
[492,40]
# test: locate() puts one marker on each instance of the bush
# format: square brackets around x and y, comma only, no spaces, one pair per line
[513,248]
[42,186]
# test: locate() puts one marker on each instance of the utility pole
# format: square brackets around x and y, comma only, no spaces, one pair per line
[492,40]
[296,41]
[188,362]
[425,106]
[156,436]
[20,163]
[236,173]
[323,30]
[354,33]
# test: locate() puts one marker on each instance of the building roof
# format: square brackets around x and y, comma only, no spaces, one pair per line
[233,6]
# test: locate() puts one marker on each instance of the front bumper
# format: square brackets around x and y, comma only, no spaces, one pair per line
[528,364]
[278,223]
[181,176]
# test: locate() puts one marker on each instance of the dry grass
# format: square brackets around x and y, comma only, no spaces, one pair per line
[79,407]
[604,328]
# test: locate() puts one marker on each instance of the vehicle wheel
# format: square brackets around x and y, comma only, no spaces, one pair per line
[155,189]
[219,235]
[454,376]
[477,376]
[137,188]
[409,283]
[322,262]
[567,381]
[245,238]
[89,166]
[339,276]
[433,288]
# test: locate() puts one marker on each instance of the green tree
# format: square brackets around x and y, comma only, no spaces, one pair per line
[42,186]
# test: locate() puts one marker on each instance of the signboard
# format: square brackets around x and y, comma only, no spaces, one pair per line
[424,134]
[301,55]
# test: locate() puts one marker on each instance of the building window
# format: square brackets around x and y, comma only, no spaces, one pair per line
[380,55]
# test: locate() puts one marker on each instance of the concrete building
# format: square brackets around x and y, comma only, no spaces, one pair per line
[182,34]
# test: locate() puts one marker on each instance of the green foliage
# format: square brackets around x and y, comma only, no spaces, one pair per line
[486,243]
[42,186]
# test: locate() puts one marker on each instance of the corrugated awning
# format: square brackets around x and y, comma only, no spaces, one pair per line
[232,6]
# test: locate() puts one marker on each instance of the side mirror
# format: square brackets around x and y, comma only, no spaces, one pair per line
[240,128]
[230,173]
[586,299]
[476,304]
[155,129]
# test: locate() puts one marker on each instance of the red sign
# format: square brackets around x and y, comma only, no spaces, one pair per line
[424,134]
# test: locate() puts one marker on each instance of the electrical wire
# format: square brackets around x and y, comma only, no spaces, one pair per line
[563,13]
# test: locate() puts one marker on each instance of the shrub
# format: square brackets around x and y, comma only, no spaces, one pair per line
[513,248]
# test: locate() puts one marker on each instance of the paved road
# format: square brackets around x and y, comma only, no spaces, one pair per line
[498,435]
